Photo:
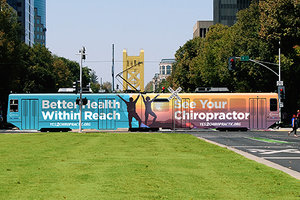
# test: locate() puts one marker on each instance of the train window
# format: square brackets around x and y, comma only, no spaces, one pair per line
[14,105]
[161,105]
[238,105]
[161,100]
[273,104]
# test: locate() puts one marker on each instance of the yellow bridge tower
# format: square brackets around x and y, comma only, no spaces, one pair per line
[133,71]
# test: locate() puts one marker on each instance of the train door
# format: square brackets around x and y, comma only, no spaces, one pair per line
[30,115]
[106,113]
[258,113]
[181,113]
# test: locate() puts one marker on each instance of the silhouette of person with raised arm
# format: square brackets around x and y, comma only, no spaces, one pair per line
[131,110]
[148,110]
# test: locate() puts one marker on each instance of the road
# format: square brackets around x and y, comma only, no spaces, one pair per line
[274,146]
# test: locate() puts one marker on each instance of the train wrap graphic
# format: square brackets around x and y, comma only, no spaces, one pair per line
[113,111]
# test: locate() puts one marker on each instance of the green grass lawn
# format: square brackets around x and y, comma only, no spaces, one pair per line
[132,166]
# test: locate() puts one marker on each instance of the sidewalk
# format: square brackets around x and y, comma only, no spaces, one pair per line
[12,131]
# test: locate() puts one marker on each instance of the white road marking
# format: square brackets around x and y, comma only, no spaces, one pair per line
[269,151]
[279,147]
[282,158]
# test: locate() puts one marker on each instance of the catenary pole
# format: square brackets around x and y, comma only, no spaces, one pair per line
[80,89]
[113,68]
[82,57]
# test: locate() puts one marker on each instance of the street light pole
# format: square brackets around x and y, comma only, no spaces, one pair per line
[80,92]
[279,84]
[82,57]
[113,68]
[279,63]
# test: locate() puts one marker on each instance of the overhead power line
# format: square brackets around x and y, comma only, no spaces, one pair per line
[104,61]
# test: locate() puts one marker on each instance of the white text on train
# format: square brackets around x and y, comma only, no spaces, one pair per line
[63,104]
[58,115]
[204,104]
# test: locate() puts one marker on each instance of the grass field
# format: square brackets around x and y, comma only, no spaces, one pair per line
[132,166]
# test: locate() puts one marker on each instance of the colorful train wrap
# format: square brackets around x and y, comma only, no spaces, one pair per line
[134,111]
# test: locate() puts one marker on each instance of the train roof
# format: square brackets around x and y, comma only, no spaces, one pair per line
[162,94]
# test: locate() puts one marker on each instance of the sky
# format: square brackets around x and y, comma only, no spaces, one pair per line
[159,27]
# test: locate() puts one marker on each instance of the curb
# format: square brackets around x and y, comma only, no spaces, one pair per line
[292,173]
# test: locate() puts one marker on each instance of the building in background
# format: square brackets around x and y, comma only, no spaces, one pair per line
[40,22]
[165,70]
[225,10]
[32,17]
[25,12]
[201,28]
[224,13]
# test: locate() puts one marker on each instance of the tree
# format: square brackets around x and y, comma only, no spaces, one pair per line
[181,73]
[107,87]
[95,86]
[74,69]
[10,47]
[203,62]
[94,77]
[250,77]
[280,22]
[62,73]
[149,87]
[212,62]
[11,51]
[39,73]
[162,84]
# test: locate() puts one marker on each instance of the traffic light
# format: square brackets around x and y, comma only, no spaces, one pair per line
[83,53]
[76,86]
[77,101]
[84,101]
[281,92]
[231,63]
[163,89]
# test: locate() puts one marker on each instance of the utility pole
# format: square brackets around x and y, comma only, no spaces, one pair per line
[113,68]
[279,84]
[279,64]
[82,57]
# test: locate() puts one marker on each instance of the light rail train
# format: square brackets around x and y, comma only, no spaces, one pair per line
[135,111]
